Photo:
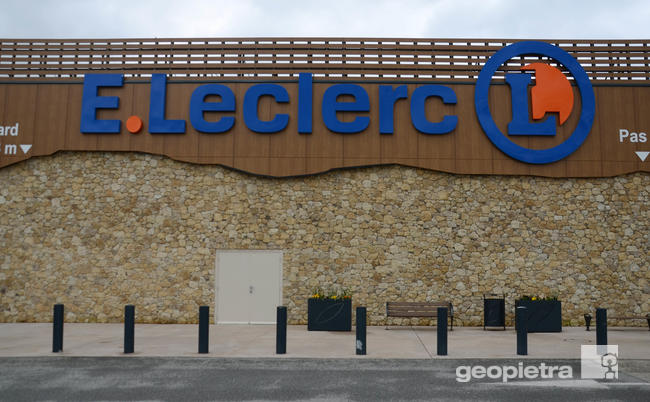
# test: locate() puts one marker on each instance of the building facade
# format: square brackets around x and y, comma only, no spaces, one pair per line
[283,179]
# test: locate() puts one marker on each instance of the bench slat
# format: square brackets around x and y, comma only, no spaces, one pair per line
[416,309]
[410,314]
[418,306]
[412,311]
[401,304]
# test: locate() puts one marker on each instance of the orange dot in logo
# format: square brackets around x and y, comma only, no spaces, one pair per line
[134,124]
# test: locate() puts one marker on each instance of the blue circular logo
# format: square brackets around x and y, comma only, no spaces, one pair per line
[536,156]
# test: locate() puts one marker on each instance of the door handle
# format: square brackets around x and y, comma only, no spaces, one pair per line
[250,289]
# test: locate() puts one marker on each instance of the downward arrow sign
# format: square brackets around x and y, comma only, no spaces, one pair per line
[25,147]
[642,155]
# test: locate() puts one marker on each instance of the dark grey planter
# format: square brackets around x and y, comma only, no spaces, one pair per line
[543,315]
[329,315]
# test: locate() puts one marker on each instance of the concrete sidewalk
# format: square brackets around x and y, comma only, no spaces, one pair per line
[259,341]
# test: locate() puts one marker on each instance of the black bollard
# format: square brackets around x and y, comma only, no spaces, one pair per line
[129,328]
[521,317]
[361,331]
[204,328]
[281,331]
[442,331]
[601,326]
[57,332]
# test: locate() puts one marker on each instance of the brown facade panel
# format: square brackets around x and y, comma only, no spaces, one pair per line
[322,143]
[591,149]
[287,166]
[412,162]
[580,168]
[356,162]
[362,145]
[216,144]
[366,144]
[471,166]
[286,143]
[315,165]
[556,169]
[642,120]
[143,140]
[255,165]
[74,139]
[509,166]
[403,142]
[18,118]
[49,114]
[252,145]
[617,111]
[227,161]
[3,91]
[50,124]
[443,165]
[116,142]
[182,145]
[619,168]
[501,116]
[471,143]
[436,146]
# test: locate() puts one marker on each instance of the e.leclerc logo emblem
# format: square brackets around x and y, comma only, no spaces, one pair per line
[552,93]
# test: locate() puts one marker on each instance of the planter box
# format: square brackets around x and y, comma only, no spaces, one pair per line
[329,315]
[543,315]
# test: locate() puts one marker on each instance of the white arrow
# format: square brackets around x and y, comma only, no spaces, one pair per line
[642,155]
[25,147]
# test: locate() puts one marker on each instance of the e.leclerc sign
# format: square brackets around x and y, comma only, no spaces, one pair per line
[552,93]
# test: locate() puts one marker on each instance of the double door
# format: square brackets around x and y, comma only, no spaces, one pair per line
[249,286]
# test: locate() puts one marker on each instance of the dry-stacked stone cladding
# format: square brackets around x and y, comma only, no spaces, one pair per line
[96,231]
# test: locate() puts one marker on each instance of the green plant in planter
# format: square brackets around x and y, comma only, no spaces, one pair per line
[331,294]
[533,298]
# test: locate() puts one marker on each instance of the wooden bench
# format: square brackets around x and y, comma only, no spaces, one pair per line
[418,309]
[588,319]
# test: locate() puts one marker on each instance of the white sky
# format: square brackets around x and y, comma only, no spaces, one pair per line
[534,19]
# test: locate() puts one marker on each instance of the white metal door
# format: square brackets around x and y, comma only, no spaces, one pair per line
[249,286]
[232,288]
[265,270]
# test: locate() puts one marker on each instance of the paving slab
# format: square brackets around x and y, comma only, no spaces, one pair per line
[35,339]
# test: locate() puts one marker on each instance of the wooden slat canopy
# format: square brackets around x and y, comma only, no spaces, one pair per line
[363,59]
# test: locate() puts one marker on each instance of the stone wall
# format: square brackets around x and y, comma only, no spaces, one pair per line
[99,230]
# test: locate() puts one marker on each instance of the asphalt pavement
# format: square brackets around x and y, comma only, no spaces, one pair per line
[199,379]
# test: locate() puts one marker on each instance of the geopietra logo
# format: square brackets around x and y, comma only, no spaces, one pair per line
[552,92]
